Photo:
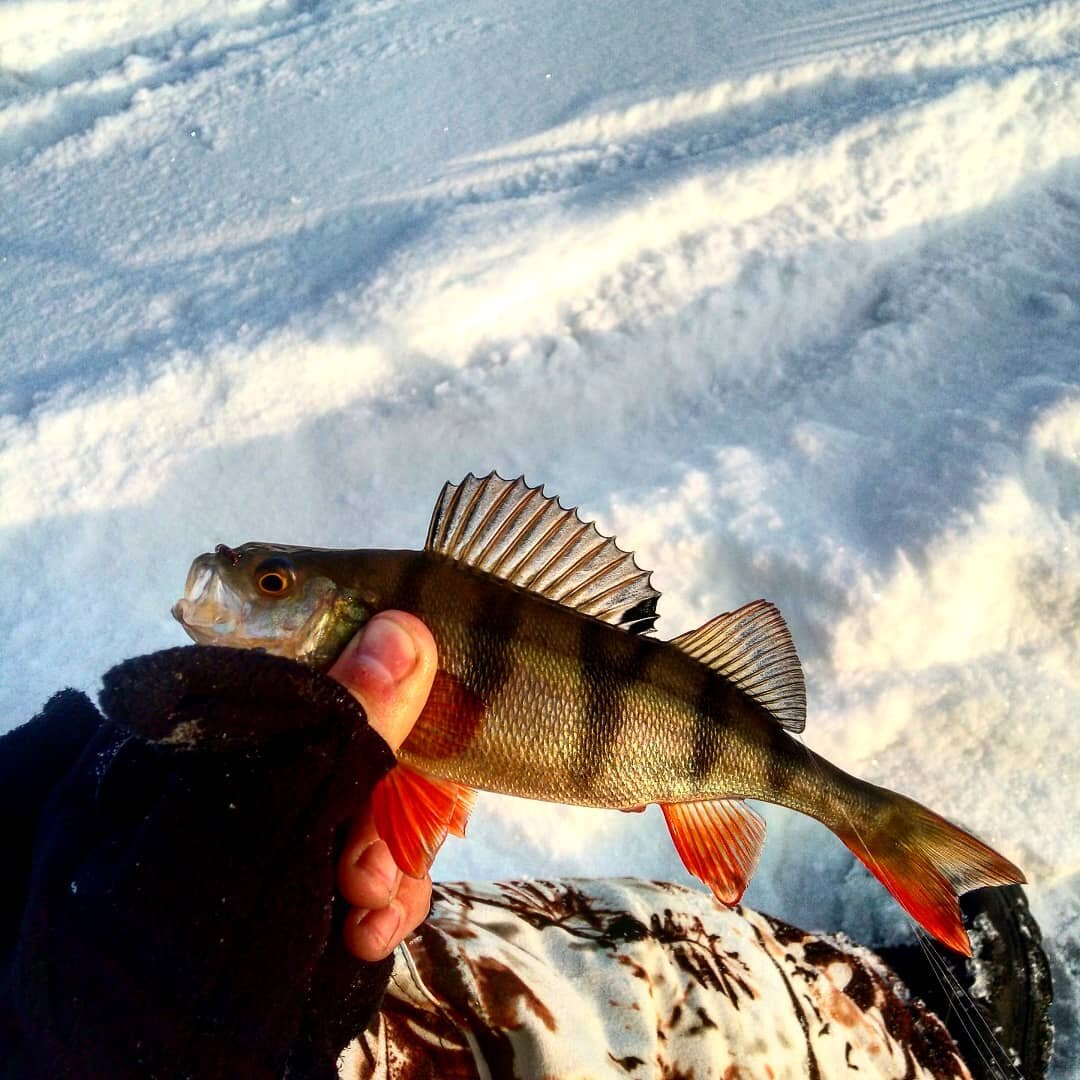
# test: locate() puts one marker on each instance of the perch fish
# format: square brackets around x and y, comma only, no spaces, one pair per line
[550,686]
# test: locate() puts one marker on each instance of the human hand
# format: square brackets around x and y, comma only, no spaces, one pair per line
[389,668]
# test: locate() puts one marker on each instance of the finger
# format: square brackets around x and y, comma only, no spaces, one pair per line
[368,877]
[371,935]
[414,894]
[389,667]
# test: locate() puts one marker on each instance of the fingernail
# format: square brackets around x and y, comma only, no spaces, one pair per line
[386,650]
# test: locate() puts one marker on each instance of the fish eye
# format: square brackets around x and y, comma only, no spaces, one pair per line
[274,577]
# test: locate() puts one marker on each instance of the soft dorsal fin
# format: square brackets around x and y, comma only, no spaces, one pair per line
[519,534]
[752,648]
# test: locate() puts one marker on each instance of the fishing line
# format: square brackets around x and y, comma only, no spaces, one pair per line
[997,1058]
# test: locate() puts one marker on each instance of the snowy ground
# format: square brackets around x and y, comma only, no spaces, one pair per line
[788,299]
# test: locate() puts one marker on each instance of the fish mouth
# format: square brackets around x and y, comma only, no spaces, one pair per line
[208,609]
[222,605]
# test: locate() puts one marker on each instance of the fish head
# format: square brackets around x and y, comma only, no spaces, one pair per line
[270,597]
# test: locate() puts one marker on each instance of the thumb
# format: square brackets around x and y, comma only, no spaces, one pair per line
[389,667]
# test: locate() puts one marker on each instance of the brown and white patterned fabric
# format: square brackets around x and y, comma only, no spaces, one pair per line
[632,979]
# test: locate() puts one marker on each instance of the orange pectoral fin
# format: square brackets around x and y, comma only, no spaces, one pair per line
[413,813]
[718,842]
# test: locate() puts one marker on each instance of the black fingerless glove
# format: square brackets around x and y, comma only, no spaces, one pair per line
[175,913]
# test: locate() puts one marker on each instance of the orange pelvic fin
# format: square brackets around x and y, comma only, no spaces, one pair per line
[718,842]
[926,862]
[466,800]
[413,813]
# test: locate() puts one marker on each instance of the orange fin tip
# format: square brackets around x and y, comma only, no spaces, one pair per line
[413,813]
[463,807]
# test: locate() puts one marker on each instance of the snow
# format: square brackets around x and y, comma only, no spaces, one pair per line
[787,297]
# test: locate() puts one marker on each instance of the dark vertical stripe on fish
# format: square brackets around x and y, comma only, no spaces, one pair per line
[706,742]
[413,574]
[778,774]
[602,702]
[492,631]
[608,680]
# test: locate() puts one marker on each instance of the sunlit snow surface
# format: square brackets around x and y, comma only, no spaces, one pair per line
[785,296]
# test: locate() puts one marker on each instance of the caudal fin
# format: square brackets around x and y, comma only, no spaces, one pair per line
[926,863]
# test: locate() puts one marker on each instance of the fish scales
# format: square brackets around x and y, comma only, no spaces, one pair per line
[569,700]
[548,679]
[548,688]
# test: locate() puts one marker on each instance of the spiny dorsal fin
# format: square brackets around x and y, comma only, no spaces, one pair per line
[752,648]
[517,533]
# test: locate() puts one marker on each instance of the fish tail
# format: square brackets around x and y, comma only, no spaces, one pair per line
[925,862]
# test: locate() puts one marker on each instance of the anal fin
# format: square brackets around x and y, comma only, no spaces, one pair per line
[413,813]
[718,842]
